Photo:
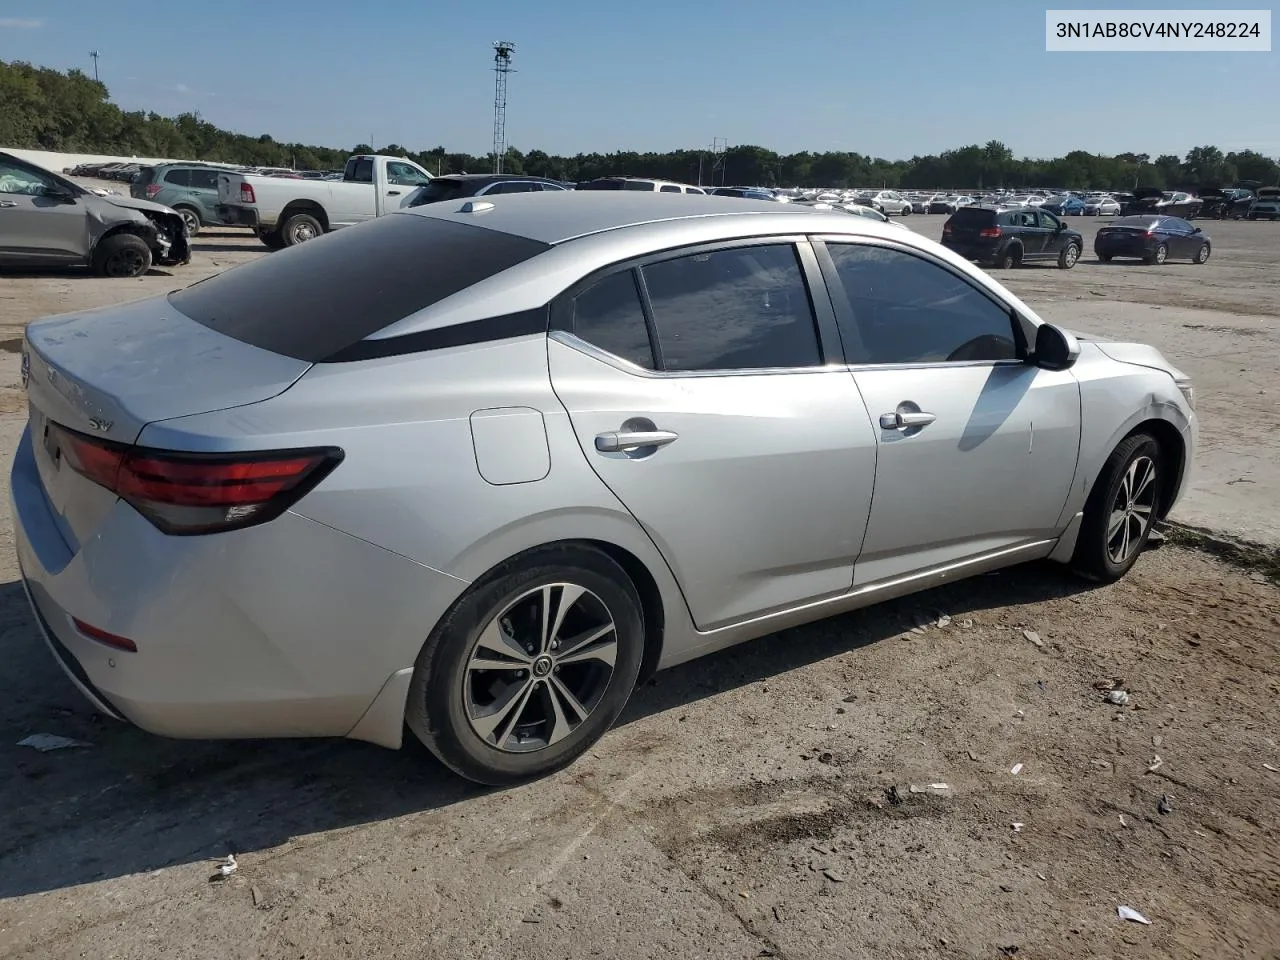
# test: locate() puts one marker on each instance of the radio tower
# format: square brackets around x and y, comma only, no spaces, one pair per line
[502,51]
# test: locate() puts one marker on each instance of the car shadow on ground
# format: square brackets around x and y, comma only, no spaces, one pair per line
[200,245]
[74,273]
[130,802]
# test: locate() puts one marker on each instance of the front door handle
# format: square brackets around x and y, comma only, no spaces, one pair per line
[619,441]
[393,193]
[905,420]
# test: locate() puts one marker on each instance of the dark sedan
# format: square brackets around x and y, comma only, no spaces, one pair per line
[1152,239]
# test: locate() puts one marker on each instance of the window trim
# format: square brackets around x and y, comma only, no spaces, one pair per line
[826,329]
[842,308]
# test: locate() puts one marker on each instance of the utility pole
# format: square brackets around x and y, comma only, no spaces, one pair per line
[502,51]
[94,55]
[719,145]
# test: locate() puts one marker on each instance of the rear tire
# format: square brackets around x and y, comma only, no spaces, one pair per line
[530,710]
[1121,510]
[1160,256]
[1104,258]
[1068,257]
[299,228]
[122,255]
[1009,259]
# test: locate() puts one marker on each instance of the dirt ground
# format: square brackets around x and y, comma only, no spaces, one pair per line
[774,800]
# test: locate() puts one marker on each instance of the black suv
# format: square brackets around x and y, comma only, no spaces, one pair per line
[1007,236]
[455,186]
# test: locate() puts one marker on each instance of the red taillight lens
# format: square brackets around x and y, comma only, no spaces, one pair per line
[1151,233]
[946,229]
[152,190]
[989,232]
[187,493]
[110,639]
[246,193]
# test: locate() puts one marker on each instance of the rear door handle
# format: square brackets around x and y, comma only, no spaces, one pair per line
[622,440]
[905,420]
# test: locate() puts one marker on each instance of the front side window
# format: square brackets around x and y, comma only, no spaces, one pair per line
[734,309]
[609,315]
[404,175]
[906,309]
[1048,220]
[669,188]
[15,179]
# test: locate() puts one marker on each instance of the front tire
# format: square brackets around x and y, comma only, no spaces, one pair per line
[530,667]
[191,218]
[122,255]
[1068,257]
[1202,255]
[1121,510]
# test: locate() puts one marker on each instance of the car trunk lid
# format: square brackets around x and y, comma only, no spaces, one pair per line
[108,373]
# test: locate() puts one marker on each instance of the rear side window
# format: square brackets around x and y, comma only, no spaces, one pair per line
[737,309]
[609,315]
[179,178]
[669,188]
[314,300]
[359,170]
[637,185]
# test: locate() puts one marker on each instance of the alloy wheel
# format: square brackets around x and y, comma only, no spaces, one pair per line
[1132,510]
[540,667]
[125,263]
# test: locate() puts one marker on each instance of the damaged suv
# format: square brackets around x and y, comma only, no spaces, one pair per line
[47,220]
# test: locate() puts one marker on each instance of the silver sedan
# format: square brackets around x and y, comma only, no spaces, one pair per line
[479,468]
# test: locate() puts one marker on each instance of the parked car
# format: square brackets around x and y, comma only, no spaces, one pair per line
[477,476]
[1101,205]
[455,186]
[1267,204]
[190,189]
[1152,239]
[870,213]
[1228,204]
[47,220]
[886,201]
[1068,205]
[1007,237]
[640,185]
[1169,203]
[285,211]
[744,193]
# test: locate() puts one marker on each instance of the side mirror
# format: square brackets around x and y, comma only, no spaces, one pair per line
[1195,230]
[57,193]
[1055,348]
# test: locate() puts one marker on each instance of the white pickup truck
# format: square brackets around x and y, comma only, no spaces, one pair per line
[284,211]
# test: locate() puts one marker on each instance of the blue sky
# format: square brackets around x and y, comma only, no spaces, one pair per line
[891,80]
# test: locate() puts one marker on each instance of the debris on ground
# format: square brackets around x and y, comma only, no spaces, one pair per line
[943,621]
[1119,698]
[1128,913]
[44,742]
[1017,827]
[1156,764]
[833,876]
[966,624]
[1033,637]
[1017,769]
[1267,766]
[1164,806]
[1108,683]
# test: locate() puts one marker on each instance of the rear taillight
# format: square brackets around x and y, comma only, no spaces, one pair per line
[1151,233]
[989,232]
[946,229]
[189,493]
[246,193]
[152,190]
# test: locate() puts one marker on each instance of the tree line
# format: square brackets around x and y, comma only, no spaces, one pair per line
[45,109]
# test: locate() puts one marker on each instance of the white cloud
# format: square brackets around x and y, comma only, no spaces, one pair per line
[182,88]
[20,23]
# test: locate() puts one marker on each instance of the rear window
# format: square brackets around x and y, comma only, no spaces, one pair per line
[314,300]
[442,188]
[973,217]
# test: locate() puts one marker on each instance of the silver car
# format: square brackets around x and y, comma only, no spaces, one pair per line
[480,468]
[47,220]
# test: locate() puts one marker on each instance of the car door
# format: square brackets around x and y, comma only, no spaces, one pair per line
[204,193]
[403,179]
[1179,237]
[1033,236]
[1054,232]
[976,447]
[39,223]
[699,389]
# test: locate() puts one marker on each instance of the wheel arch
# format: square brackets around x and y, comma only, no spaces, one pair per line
[304,206]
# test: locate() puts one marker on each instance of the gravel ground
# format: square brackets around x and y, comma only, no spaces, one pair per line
[759,802]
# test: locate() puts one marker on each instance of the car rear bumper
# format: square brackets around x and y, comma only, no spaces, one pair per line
[236,216]
[1132,248]
[973,250]
[288,629]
